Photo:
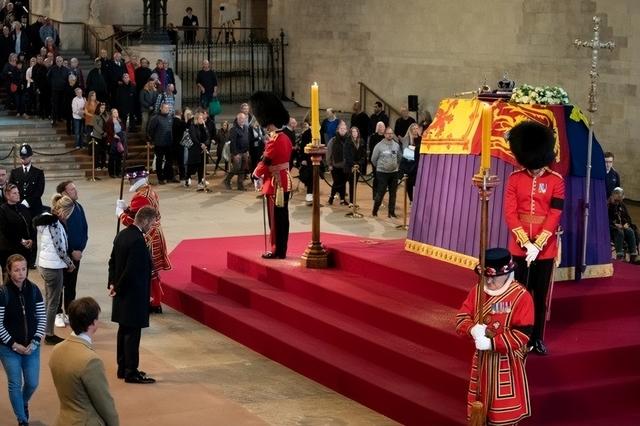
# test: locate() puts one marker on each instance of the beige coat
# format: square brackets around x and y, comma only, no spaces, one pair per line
[79,376]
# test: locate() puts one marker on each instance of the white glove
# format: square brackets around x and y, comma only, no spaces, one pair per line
[483,343]
[478,331]
[532,252]
[120,207]
[25,203]
[257,183]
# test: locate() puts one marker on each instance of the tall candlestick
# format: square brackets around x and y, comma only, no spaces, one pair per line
[485,158]
[315,114]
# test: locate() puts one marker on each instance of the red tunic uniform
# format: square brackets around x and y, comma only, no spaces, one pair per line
[275,164]
[532,209]
[504,388]
[145,196]
[274,171]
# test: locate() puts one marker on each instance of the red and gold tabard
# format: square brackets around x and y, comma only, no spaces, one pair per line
[145,196]
[504,388]
[273,169]
[532,209]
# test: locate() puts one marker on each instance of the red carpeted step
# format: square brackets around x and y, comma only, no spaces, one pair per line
[593,401]
[588,351]
[397,354]
[612,297]
[388,262]
[592,337]
[410,316]
[401,398]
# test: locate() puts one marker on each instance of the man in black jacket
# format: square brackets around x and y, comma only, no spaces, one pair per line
[239,150]
[19,40]
[378,115]
[159,131]
[96,82]
[116,69]
[129,282]
[124,101]
[30,182]
[190,20]
[58,80]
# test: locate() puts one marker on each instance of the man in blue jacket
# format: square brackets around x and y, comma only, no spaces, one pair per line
[78,235]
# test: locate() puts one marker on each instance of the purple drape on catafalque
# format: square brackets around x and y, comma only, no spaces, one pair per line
[445,211]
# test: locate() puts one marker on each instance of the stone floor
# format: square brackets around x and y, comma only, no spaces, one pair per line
[203,377]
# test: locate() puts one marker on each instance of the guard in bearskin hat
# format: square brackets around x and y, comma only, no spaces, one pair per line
[144,195]
[533,203]
[502,336]
[272,172]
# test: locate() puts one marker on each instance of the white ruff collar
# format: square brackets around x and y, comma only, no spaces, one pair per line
[137,184]
[502,289]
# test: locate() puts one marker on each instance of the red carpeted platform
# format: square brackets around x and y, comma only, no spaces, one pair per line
[378,327]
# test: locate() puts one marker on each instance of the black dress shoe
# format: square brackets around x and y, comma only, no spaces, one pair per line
[121,375]
[392,215]
[269,255]
[140,379]
[155,309]
[539,348]
[52,340]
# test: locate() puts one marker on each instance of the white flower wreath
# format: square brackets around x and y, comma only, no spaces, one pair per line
[546,95]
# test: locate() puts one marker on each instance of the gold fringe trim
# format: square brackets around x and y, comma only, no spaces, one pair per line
[439,253]
[470,262]
[592,271]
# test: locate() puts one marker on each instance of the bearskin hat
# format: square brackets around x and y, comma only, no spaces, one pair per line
[532,144]
[268,109]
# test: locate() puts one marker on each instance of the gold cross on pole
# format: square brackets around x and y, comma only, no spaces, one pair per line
[595,44]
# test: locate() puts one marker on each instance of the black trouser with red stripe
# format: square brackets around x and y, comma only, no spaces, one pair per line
[537,279]
[279,225]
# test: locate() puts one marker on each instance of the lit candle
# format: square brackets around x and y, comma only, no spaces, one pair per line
[485,158]
[315,114]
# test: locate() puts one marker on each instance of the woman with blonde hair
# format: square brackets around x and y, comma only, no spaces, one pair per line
[148,97]
[53,258]
[89,112]
[410,157]
[178,128]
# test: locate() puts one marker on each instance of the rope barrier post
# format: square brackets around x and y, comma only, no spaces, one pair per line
[93,177]
[204,172]
[354,206]
[405,206]
[149,157]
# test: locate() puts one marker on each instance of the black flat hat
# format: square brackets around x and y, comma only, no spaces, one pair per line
[497,262]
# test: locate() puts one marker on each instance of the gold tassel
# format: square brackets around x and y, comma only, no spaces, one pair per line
[279,197]
[478,418]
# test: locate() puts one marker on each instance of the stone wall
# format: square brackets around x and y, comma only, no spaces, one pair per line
[435,48]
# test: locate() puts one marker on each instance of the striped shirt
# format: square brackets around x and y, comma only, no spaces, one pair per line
[12,314]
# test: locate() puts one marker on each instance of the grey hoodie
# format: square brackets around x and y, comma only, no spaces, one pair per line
[386,156]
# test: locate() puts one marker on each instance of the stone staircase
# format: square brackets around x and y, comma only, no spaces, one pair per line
[53,148]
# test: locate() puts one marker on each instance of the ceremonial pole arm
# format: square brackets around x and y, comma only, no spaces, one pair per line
[485,183]
[595,44]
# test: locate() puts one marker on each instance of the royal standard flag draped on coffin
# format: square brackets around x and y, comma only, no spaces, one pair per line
[464,134]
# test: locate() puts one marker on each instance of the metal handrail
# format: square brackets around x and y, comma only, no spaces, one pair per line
[364,90]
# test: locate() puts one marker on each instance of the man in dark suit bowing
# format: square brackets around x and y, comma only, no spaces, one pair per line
[129,282]
[30,182]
